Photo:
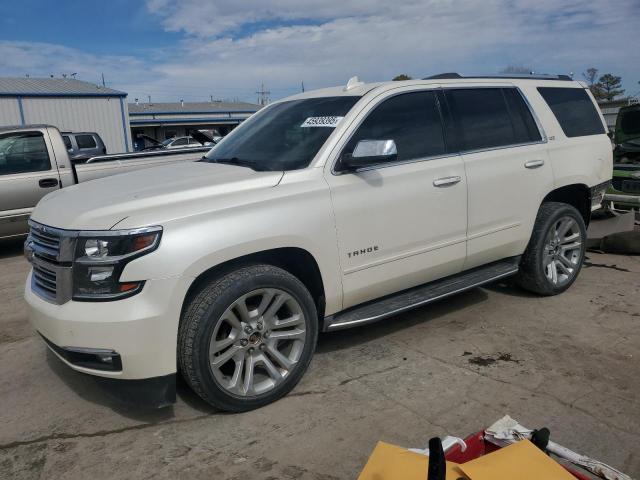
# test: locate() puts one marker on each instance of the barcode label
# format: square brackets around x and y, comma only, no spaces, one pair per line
[331,122]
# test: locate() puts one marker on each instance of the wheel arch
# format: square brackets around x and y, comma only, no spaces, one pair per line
[297,261]
[577,195]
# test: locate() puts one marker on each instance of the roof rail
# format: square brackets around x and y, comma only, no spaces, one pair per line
[453,75]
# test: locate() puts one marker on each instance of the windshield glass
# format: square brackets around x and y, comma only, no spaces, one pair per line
[285,136]
[167,141]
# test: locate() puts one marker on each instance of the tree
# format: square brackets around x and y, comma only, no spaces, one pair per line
[400,77]
[590,76]
[519,69]
[609,86]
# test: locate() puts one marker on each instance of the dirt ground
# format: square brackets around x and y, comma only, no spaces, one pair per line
[571,363]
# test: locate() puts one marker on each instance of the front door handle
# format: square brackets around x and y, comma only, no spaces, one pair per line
[446,181]
[534,164]
[48,182]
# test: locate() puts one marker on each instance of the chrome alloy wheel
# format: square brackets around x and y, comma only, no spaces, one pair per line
[257,342]
[562,251]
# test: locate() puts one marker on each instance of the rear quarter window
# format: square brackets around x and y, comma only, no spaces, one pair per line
[574,111]
[85,141]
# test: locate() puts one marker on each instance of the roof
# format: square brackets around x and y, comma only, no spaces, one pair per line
[53,87]
[191,108]
[360,89]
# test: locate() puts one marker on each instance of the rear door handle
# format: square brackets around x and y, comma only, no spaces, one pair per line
[445,181]
[48,182]
[534,164]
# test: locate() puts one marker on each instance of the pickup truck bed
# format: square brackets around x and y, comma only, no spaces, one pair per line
[34,162]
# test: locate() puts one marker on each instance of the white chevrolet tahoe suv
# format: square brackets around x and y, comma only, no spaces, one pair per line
[326,210]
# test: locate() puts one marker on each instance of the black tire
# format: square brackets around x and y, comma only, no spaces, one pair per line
[532,276]
[204,311]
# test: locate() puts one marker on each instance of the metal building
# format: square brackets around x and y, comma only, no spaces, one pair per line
[69,104]
[168,120]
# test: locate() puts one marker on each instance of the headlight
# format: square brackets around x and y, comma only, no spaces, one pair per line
[100,258]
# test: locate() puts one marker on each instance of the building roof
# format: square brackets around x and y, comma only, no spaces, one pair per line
[191,108]
[54,87]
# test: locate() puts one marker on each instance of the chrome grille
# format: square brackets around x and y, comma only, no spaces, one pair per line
[45,242]
[45,280]
[50,251]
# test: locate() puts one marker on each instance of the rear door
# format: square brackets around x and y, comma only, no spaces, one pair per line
[403,223]
[507,167]
[27,173]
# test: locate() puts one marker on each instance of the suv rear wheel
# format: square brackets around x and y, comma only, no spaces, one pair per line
[555,252]
[247,337]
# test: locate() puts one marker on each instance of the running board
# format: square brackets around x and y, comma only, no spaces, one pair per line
[396,303]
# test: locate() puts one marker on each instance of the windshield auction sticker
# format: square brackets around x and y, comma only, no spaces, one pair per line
[331,122]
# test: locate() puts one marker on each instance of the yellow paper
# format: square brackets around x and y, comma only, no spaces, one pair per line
[520,461]
[388,462]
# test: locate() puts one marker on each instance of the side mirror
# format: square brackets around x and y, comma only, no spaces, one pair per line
[371,152]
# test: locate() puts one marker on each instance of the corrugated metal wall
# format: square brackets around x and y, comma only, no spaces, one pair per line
[102,115]
[9,111]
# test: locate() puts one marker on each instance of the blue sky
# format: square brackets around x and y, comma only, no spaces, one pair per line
[191,49]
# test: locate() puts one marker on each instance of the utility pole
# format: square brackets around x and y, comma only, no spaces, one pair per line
[103,80]
[303,87]
[149,97]
[263,98]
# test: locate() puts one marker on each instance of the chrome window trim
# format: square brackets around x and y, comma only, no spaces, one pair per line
[544,139]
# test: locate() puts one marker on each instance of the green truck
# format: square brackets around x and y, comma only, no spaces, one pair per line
[625,186]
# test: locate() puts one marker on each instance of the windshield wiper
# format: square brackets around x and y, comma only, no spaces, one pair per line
[238,162]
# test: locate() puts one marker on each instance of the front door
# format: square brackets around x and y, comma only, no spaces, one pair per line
[403,223]
[26,175]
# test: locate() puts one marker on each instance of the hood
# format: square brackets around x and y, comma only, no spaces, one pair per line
[150,195]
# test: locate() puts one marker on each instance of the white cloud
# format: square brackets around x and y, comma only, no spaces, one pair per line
[230,47]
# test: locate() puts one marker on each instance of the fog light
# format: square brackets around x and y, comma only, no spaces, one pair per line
[99,274]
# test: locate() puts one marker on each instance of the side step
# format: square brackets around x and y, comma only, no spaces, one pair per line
[390,305]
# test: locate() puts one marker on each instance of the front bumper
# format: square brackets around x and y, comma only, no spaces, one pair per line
[141,330]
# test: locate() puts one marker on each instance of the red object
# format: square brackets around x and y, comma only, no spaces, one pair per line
[477,446]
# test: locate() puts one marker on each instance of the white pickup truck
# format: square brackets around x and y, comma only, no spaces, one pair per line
[330,209]
[34,161]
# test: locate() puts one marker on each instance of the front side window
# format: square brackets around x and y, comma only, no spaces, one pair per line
[85,141]
[574,110]
[67,142]
[23,152]
[284,136]
[179,142]
[491,118]
[411,120]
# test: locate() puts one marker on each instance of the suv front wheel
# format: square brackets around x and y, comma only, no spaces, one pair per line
[246,338]
[555,252]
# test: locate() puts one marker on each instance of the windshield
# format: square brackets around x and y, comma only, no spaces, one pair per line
[168,141]
[285,136]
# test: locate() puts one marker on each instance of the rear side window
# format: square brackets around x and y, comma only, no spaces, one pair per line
[85,141]
[180,141]
[412,120]
[22,153]
[491,118]
[574,110]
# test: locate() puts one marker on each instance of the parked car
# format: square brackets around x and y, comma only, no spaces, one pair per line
[625,190]
[84,145]
[34,161]
[181,142]
[327,210]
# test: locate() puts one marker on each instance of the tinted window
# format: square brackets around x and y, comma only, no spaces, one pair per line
[85,141]
[630,121]
[67,142]
[574,110]
[491,117]
[283,136]
[524,126]
[412,120]
[180,141]
[23,152]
